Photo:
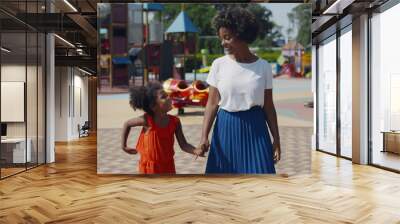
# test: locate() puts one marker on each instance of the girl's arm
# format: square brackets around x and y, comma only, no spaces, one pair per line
[209,116]
[134,122]
[185,146]
[270,116]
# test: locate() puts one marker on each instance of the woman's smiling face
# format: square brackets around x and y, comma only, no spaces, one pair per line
[229,40]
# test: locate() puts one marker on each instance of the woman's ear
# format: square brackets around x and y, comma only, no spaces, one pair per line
[154,107]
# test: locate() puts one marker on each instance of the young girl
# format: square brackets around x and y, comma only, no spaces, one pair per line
[156,140]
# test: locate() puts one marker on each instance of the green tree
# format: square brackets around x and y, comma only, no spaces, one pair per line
[302,17]
[290,29]
[269,31]
[202,15]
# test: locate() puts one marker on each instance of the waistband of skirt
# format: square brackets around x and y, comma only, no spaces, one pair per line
[253,108]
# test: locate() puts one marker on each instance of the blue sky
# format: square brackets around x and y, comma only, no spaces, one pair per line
[279,14]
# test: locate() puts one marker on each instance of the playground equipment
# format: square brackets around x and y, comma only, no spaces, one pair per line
[289,69]
[184,94]
[204,57]
[291,60]
[131,36]
[183,34]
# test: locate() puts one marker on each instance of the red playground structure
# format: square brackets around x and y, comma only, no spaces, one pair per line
[184,94]
[289,69]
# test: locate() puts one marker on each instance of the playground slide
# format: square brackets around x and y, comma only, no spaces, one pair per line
[183,94]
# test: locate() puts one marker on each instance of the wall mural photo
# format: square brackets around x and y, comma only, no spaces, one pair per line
[204,89]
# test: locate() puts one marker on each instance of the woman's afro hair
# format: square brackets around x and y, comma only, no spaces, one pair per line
[240,21]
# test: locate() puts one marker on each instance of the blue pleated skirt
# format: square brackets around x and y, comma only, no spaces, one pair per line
[241,143]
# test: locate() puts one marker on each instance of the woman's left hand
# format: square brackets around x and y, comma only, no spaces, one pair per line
[199,152]
[277,151]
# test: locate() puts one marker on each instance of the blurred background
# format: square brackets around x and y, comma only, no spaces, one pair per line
[147,41]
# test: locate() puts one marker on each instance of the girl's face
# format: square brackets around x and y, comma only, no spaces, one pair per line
[164,103]
[229,40]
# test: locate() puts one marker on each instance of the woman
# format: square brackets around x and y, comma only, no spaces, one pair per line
[240,97]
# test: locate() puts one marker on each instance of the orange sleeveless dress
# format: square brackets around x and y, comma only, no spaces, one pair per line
[156,147]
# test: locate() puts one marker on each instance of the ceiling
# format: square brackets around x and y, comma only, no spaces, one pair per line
[73,20]
[76,25]
[328,15]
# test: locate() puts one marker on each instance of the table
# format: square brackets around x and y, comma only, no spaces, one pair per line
[391,141]
[15,148]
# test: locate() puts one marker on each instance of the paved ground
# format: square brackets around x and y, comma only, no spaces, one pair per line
[295,125]
[289,98]
[296,154]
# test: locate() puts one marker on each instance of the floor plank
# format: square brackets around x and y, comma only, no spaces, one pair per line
[70,191]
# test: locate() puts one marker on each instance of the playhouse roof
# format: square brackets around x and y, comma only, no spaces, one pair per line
[153,7]
[292,45]
[182,24]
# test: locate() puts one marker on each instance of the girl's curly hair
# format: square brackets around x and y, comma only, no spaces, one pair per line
[144,97]
[240,21]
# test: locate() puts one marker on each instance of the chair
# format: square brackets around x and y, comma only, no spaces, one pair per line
[84,130]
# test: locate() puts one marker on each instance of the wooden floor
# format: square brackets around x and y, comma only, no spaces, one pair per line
[70,191]
[10,171]
[387,159]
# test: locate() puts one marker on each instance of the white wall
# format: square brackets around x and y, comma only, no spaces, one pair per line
[13,72]
[12,101]
[33,126]
[81,100]
[71,102]
[16,73]
[61,103]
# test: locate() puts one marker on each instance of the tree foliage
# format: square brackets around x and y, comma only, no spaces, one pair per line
[302,17]
[202,15]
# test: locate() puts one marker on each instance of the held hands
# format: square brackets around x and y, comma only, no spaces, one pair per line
[204,145]
[129,150]
[202,148]
[276,147]
[198,152]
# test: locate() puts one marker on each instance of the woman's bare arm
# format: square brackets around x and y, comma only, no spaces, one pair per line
[270,116]
[209,116]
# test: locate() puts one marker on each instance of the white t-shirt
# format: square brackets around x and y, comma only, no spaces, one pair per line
[240,85]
